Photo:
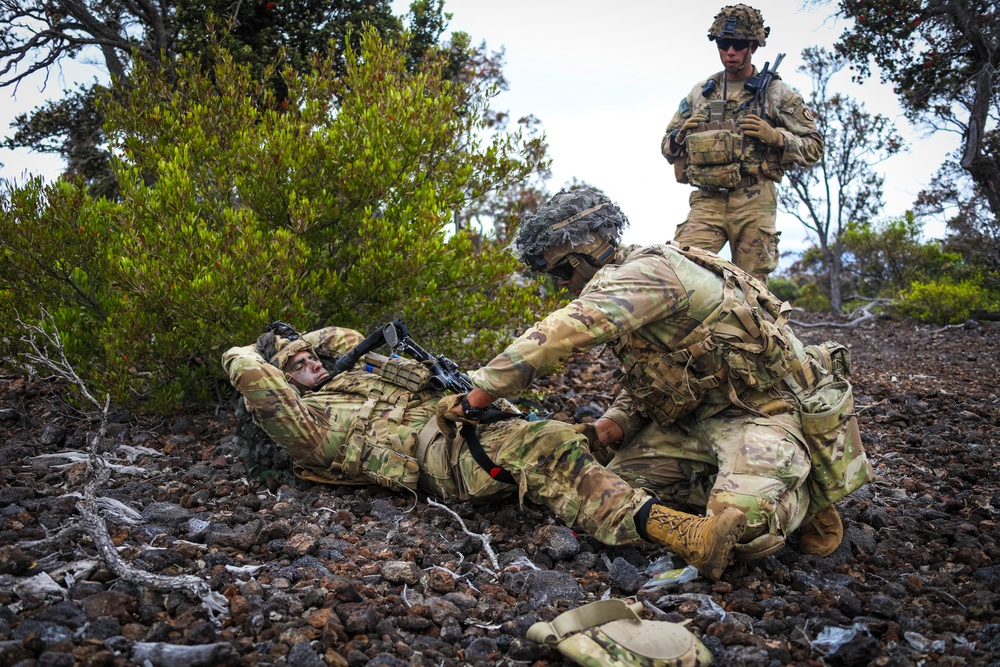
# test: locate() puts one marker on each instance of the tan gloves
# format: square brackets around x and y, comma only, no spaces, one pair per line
[757,127]
[689,126]
[448,418]
[589,432]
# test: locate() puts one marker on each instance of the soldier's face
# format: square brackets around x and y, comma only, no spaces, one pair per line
[735,55]
[305,370]
[574,276]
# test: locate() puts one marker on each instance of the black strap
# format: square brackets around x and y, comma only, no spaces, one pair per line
[482,458]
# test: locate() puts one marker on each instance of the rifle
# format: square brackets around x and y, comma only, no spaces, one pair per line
[445,374]
[758,84]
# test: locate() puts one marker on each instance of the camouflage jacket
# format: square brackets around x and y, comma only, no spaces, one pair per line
[652,298]
[356,429]
[784,109]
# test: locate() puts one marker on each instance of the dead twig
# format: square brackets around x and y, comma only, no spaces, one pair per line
[856,319]
[48,351]
[484,539]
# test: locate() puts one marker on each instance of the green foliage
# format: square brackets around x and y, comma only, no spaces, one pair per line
[887,256]
[783,288]
[945,302]
[236,210]
[811,299]
[940,58]
[51,256]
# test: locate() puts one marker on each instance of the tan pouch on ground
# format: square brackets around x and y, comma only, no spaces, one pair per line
[609,633]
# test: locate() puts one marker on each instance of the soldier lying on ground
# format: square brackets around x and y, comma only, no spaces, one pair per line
[359,428]
[722,410]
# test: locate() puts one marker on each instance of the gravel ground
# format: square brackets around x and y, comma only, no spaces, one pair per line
[315,575]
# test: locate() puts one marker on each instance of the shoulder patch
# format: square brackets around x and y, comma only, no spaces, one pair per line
[807,114]
[685,108]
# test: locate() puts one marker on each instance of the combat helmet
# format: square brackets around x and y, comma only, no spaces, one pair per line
[581,221]
[739,22]
[279,349]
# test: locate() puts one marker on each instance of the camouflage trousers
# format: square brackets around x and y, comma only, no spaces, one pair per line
[744,217]
[734,459]
[553,466]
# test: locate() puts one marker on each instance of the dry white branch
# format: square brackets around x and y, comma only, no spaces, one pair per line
[80,457]
[171,655]
[484,539]
[857,317]
[49,352]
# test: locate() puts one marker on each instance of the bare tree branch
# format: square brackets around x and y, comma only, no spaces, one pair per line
[45,341]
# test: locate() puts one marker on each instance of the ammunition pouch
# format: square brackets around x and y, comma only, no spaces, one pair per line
[610,633]
[662,384]
[714,147]
[400,371]
[714,177]
[830,428]
[382,465]
[713,157]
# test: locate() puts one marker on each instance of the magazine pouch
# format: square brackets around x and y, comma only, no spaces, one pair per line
[830,427]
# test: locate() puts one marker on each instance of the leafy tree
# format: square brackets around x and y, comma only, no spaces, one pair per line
[887,256]
[943,59]
[843,186]
[236,209]
[972,229]
[39,34]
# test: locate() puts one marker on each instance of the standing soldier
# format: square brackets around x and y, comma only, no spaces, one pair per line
[732,138]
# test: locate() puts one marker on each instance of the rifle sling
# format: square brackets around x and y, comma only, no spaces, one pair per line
[471,438]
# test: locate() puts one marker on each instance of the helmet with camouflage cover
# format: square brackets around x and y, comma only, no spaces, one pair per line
[739,22]
[581,221]
[278,349]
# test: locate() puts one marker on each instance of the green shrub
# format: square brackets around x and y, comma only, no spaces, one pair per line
[945,302]
[887,256]
[811,299]
[237,209]
[783,288]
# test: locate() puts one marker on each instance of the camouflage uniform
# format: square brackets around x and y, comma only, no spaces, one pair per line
[725,431]
[359,429]
[741,210]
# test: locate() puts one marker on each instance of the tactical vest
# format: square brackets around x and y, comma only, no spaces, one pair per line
[372,451]
[719,156]
[743,346]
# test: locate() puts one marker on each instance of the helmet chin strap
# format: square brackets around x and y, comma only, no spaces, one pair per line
[743,65]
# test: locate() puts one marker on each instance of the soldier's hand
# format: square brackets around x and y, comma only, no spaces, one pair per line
[690,125]
[608,431]
[588,431]
[758,128]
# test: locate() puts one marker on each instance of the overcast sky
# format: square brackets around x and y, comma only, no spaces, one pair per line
[604,80]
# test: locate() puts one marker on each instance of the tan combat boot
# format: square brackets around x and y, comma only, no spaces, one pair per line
[704,542]
[822,534]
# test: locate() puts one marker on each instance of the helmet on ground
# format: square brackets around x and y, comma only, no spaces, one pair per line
[739,22]
[581,221]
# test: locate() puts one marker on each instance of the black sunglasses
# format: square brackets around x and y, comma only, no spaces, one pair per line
[738,44]
[563,270]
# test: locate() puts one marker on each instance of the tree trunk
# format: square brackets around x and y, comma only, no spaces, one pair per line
[835,267]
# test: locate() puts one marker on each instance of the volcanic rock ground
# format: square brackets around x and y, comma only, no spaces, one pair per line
[357,576]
